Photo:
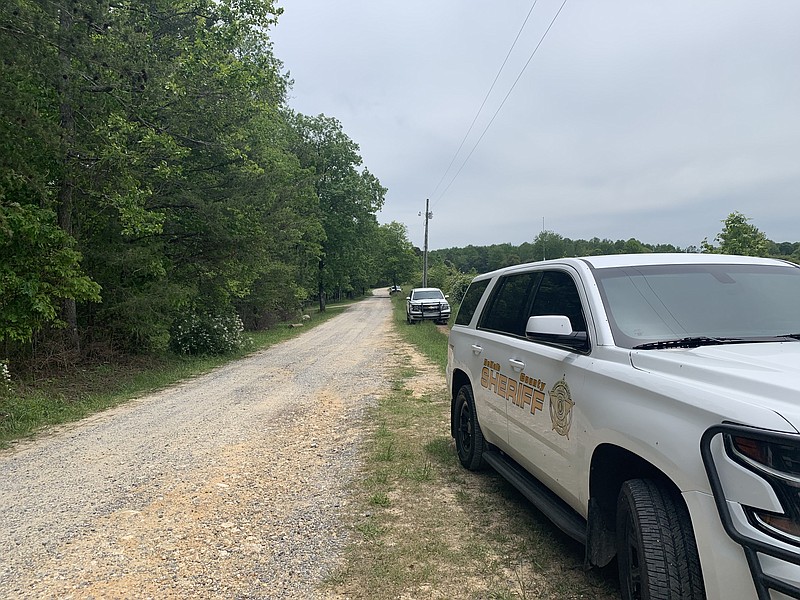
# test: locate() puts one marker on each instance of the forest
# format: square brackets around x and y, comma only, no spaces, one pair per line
[156,190]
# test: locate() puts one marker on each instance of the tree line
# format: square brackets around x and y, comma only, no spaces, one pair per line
[452,268]
[738,236]
[152,175]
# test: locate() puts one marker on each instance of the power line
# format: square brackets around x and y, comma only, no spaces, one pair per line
[480,109]
[530,58]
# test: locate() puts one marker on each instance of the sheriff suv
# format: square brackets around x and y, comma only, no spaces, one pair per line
[649,405]
[427,303]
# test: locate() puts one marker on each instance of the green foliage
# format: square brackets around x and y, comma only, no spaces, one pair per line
[349,198]
[457,285]
[738,236]
[394,255]
[547,245]
[157,131]
[40,268]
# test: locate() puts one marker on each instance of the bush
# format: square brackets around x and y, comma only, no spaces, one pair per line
[5,380]
[206,333]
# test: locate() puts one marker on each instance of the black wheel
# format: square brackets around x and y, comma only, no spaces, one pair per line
[656,549]
[408,319]
[468,434]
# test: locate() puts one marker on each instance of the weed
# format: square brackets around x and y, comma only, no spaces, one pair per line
[370,529]
[380,499]
[423,473]
[386,452]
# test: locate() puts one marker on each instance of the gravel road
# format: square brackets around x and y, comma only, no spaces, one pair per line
[231,485]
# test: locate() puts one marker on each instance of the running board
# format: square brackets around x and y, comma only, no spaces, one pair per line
[555,509]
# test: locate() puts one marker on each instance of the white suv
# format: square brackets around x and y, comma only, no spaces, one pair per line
[649,404]
[427,303]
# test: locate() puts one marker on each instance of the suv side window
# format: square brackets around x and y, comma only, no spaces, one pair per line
[470,301]
[557,295]
[507,309]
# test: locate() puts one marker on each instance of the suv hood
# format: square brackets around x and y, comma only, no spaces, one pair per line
[766,375]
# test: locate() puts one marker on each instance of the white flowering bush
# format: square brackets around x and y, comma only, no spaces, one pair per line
[5,379]
[205,333]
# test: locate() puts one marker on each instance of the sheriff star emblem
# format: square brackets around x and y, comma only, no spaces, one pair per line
[561,408]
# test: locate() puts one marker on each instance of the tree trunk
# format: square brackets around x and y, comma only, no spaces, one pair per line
[68,308]
[321,288]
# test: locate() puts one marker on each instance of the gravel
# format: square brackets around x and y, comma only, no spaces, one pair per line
[230,485]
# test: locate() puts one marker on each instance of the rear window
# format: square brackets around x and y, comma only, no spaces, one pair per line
[507,310]
[470,301]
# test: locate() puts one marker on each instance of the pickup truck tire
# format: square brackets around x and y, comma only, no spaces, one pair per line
[469,437]
[656,550]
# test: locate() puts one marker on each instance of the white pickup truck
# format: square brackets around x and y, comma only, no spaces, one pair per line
[649,405]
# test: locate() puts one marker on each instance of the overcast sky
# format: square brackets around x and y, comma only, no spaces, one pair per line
[634,118]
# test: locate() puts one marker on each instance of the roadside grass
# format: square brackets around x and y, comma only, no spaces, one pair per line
[425,336]
[427,528]
[33,403]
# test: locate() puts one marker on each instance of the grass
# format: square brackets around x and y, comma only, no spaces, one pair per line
[427,528]
[36,402]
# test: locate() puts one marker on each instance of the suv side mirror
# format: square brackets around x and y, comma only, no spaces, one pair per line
[556,329]
[549,325]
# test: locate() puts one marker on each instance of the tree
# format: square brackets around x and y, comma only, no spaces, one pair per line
[394,254]
[349,199]
[738,236]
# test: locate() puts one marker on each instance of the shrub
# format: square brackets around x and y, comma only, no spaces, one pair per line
[5,380]
[207,333]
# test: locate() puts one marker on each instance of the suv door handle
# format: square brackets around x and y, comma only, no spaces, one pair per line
[517,365]
[476,349]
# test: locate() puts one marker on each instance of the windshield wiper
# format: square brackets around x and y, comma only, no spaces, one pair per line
[689,342]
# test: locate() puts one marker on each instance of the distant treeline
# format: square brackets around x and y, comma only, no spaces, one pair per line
[548,245]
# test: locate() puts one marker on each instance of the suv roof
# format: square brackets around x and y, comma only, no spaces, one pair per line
[638,260]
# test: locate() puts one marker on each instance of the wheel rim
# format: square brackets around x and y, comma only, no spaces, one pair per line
[465,428]
[632,558]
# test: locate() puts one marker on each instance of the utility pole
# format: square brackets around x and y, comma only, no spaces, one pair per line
[428,216]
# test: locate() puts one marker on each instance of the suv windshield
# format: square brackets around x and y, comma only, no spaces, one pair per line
[720,302]
[428,295]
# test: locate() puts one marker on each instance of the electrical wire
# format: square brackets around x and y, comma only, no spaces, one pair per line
[480,109]
[511,89]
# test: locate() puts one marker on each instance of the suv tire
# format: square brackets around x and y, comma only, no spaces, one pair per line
[656,550]
[468,434]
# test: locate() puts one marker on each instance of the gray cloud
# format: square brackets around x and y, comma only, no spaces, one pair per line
[634,119]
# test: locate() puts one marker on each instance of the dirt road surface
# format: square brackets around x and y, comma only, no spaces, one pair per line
[231,485]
